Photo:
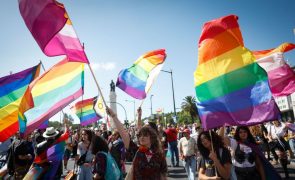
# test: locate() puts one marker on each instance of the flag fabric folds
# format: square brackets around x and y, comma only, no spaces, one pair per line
[100,108]
[85,111]
[54,154]
[12,89]
[50,93]
[44,125]
[138,79]
[231,88]
[51,27]
[281,77]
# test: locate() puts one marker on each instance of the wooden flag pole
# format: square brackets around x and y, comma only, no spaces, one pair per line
[100,92]
[96,82]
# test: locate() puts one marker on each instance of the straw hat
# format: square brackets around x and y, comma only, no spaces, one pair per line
[50,132]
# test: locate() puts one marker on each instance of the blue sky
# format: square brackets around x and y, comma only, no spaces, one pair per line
[116,33]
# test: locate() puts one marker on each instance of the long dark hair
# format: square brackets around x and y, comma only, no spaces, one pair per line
[250,137]
[99,144]
[89,134]
[216,141]
[155,141]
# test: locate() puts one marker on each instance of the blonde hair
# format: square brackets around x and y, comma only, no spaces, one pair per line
[256,130]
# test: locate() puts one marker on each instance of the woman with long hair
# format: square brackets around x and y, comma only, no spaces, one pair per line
[100,162]
[85,169]
[149,161]
[248,160]
[216,158]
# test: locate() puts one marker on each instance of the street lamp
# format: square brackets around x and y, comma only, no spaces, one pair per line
[133,106]
[172,91]
[123,108]
[151,104]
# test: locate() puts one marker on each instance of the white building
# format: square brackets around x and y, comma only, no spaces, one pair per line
[286,105]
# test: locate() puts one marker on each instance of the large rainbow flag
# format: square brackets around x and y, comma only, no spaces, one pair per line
[51,27]
[12,89]
[85,111]
[50,93]
[138,79]
[231,88]
[280,76]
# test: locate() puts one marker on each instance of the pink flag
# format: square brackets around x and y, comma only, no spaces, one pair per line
[280,76]
[52,29]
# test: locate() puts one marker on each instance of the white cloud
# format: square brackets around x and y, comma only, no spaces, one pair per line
[108,66]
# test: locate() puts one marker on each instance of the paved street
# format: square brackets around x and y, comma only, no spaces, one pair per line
[179,172]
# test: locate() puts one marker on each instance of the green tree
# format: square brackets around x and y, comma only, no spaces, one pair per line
[189,105]
[184,117]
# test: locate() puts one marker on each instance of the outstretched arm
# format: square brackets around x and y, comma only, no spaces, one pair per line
[139,124]
[119,126]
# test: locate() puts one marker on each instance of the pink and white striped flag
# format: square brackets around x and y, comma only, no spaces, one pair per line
[280,76]
[51,27]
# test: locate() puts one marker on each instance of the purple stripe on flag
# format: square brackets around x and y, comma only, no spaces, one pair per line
[89,121]
[250,116]
[6,79]
[44,125]
[136,93]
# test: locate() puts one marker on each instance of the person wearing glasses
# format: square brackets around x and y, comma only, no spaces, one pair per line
[149,161]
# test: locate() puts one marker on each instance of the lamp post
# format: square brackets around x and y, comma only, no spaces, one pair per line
[133,106]
[151,104]
[124,110]
[172,91]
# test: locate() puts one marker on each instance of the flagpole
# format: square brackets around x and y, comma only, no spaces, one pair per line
[42,66]
[96,82]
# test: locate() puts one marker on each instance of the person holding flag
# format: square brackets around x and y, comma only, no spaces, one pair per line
[42,166]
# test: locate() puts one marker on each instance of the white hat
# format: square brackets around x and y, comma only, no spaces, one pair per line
[50,132]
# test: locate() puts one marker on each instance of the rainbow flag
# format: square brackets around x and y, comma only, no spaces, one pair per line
[231,88]
[85,111]
[51,27]
[50,93]
[12,89]
[281,77]
[138,79]
[54,154]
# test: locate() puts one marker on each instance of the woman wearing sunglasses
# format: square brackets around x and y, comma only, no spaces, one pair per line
[149,161]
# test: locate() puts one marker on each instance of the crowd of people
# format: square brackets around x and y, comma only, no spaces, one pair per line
[235,153]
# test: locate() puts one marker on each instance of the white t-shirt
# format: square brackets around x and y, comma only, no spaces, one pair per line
[276,132]
[245,149]
[195,135]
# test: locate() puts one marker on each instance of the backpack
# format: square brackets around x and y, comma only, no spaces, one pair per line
[112,170]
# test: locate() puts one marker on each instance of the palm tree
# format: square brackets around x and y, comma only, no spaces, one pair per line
[189,105]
